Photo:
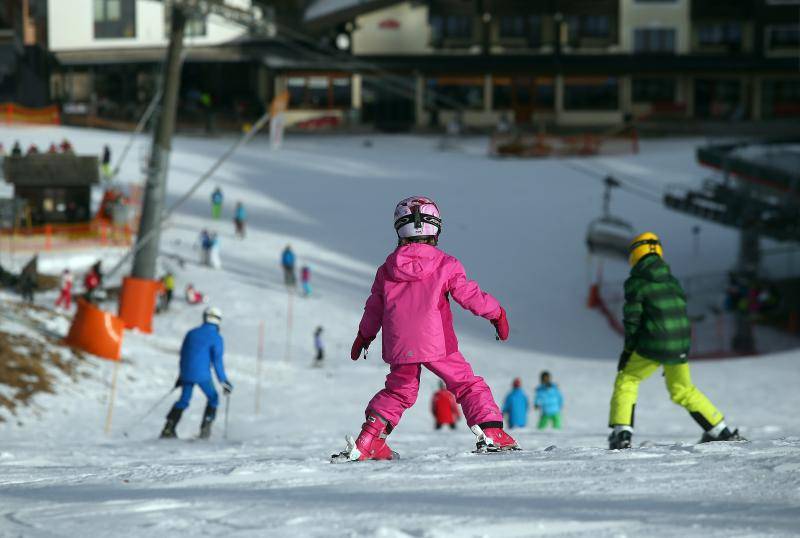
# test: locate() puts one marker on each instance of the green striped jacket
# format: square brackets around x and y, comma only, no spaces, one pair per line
[656,324]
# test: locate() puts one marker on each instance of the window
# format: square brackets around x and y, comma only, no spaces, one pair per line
[653,90]
[512,26]
[450,93]
[591,94]
[588,26]
[654,40]
[114,18]
[450,27]
[195,26]
[521,92]
[319,91]
[781,98]
[783,37]
[521,28]
[726,33]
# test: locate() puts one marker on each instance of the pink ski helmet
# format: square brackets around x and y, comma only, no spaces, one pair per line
[417,216]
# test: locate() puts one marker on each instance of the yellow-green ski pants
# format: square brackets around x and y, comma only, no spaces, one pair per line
[679,384]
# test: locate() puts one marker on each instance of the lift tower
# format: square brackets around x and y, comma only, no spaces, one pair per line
[149,235]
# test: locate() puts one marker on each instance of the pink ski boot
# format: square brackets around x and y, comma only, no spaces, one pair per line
[371,442]
[492,438]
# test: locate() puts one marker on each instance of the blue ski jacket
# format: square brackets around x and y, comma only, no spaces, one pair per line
[288,258]
[202,348]
[216,197]
[549,399]
[516,407]
[241,213]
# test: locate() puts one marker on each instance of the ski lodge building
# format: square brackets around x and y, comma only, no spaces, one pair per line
[418,64]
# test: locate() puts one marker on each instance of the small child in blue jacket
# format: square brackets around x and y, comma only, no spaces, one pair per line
[548,400]
[516,406]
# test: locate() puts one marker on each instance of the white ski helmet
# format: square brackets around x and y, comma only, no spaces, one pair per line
[212,315]
[417,216]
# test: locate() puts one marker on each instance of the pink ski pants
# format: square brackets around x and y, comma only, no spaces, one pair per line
[471,391]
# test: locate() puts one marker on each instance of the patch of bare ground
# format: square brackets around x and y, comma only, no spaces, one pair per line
[29,362]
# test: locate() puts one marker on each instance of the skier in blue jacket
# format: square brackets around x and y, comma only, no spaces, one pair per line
[287,262]
[549,401]
[202,348]
[516,405]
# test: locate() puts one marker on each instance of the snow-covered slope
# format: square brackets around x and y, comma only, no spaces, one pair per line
[518,226]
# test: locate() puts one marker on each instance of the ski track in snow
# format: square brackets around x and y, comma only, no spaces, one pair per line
[331,198]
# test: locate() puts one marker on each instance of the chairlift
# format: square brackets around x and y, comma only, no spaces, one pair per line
[609,236]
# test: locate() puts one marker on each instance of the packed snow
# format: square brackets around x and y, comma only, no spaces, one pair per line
[518,226]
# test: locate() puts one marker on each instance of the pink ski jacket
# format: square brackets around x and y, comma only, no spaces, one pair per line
[410,300]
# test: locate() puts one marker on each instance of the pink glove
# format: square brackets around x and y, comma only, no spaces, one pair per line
[501,325]
[359,344]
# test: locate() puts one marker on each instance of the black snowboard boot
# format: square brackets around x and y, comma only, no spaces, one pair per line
[173,418]
[721,434]
[208,419]
[620,438]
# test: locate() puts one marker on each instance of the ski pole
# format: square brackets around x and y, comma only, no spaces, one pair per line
[152,408]
[227,408]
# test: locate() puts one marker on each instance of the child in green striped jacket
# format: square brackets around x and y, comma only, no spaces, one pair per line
[657,334]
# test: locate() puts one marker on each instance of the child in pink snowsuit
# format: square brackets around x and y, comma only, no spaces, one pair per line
[410,301]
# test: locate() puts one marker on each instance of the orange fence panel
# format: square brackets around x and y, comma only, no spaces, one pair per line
[14,113]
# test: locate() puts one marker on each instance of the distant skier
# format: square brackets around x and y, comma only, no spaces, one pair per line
[319,347]
[444,408]
[52,149]
[33,149]
[239,219]
[205,247]
[305,280]
[66,146]
[216,203]
[516,406]
[92,281]
[16,149]
[168,281]
[214,259]
[193,296]
[549,402]
[65,290]
[287,262]
[202,349]
[106,162]
[657,334]
[410,300]
[27,283]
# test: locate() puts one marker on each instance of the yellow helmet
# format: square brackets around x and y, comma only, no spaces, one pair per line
[642,245]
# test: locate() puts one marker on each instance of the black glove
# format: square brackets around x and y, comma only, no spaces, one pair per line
[623,359]
[227,388]
[177,383]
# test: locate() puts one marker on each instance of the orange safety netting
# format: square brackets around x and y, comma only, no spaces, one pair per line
[11,113]
[65,236]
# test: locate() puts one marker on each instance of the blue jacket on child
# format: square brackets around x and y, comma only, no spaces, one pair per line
[516,406]
[549,399]
[202,348]
[287,258]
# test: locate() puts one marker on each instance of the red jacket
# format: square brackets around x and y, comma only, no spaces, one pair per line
[444,407]
[91,281]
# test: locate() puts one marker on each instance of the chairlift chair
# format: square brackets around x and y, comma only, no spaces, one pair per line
[609,236]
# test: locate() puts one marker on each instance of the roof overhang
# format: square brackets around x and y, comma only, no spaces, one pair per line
[219,54]
[327,13]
